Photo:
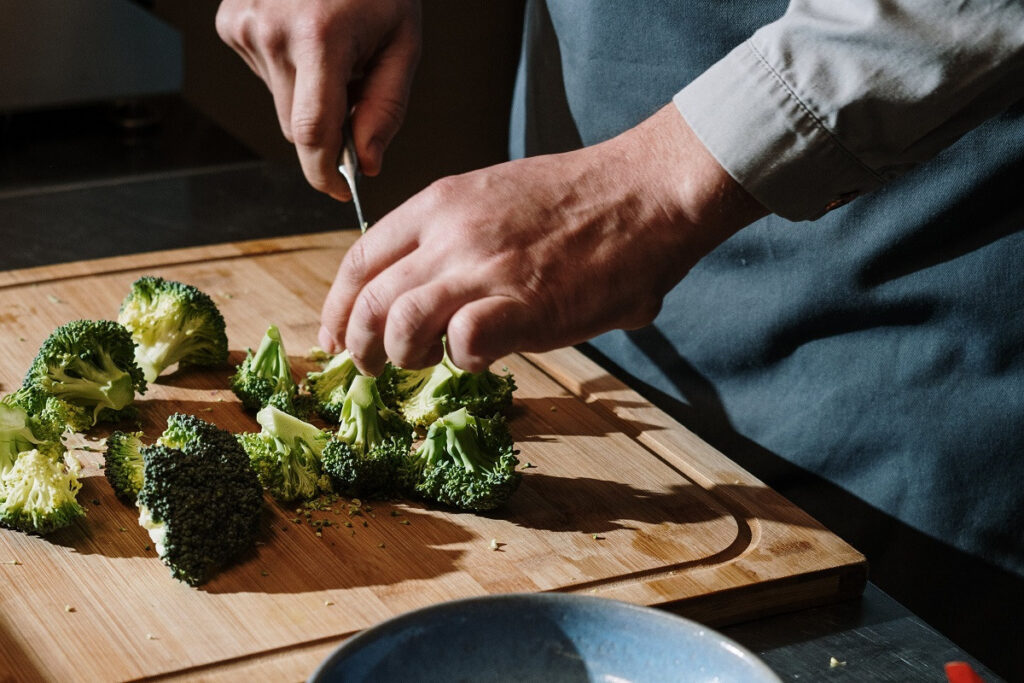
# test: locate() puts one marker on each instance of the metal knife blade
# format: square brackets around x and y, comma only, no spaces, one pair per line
[348,167]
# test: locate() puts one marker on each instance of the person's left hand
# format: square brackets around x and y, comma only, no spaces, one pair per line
[534,254]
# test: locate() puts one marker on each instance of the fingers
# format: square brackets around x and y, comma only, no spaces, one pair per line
[280,80]
[318,110]
[366,259]
[486,329]
[384,95]
[417,320]
[405,306]
[307,54]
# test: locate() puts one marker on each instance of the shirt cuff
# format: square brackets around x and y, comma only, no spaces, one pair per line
[769,141]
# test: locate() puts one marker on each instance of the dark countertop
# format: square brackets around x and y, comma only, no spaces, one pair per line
[877,638]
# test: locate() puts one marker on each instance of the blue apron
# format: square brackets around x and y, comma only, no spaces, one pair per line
[868,365]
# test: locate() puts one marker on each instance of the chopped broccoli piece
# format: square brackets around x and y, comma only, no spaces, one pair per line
[466,462]
[422,396]
[38,493]
[172,322]
[53,416]
[482,393]
[265,373]
[329,386]
[15,435]
[89,363]
[21,431]
[371,444]
[286,454]
[300,405]
[200,499]
[123,464]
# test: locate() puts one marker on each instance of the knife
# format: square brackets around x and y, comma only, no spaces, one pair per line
[348,167]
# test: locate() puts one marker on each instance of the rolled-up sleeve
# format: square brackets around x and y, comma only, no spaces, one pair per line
[836,98]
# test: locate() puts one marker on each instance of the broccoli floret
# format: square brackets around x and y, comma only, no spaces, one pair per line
[466,462]
[482,393]
[286,454]
[329,386]
[123,464]
[172,322]
[89,363]
[38,493]
[53,416]
[371,444]
[265,373]
[300,405]
[200,499]
[422,396]
[21,431]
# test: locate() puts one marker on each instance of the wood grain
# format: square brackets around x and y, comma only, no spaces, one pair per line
[620,501]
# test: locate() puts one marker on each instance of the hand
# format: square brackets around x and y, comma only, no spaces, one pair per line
[316,55]
[534,254]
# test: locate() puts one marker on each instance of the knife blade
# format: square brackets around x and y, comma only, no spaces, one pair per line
[348,167]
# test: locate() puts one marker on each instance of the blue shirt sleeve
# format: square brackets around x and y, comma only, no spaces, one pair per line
[835,98]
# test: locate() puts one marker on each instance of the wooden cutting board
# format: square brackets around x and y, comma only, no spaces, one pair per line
[618,501]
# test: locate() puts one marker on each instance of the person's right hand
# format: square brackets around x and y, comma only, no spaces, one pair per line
[322,58]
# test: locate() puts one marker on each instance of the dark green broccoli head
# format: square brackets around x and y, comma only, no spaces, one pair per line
[286,454]
[374,473]
[465,462]
[329,386]
[371,443]
[123,464]
[300,405]
[200,499]
[37,494]
[172,322]
[89,363]
[264,373]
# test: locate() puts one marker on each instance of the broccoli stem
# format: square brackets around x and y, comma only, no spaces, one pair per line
[270,359]
[84,383]
[360,425]
[462,441]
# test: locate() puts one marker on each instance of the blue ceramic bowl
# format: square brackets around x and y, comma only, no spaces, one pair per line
[540,637]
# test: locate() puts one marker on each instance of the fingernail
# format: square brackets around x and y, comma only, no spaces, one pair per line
[327,341]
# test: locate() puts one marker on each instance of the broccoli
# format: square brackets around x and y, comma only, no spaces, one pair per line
[485,394]
[200,499]
[371,443]
[466,462]
[123,464]
[172,322]
[329,386]
[422,396]
[286,454]
[21,431]
[266,373]
[52,415]
[89,363]
[38,493]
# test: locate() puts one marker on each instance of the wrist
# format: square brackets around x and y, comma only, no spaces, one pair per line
[698,196]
